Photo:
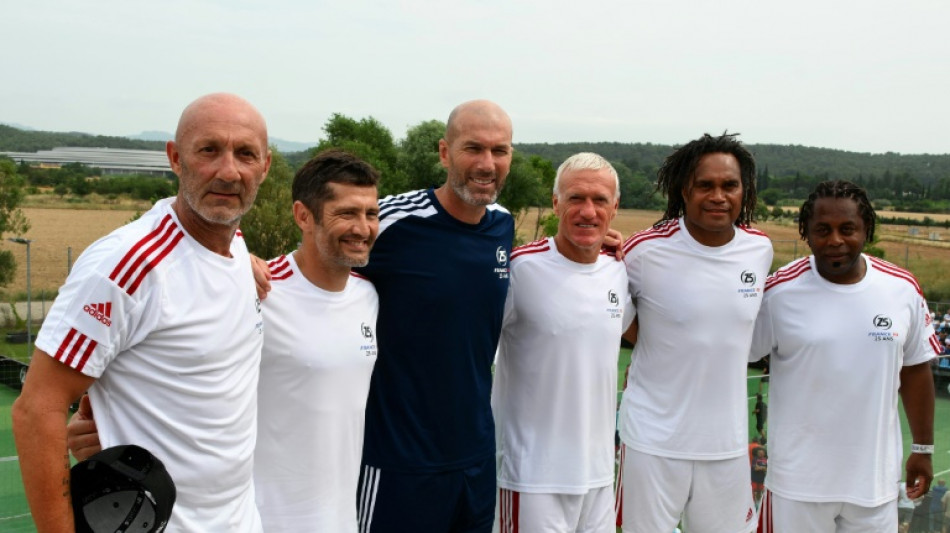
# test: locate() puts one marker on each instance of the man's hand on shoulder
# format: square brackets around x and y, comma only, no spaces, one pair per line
[613,243]
[261,276]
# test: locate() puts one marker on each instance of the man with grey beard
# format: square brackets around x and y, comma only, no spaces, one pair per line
[161,323]
[440,266]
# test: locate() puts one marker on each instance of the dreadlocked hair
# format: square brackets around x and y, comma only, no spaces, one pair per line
[838,189]
[676,174]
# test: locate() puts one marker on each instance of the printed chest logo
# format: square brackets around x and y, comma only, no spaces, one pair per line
[748,289]
[615,310]
[501,257]
[101,312]
[368,349]
[883,322]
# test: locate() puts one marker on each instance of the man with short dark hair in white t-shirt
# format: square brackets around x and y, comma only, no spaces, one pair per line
[696,279]
[554,395]
[846,333]
[160,321]
[319,352]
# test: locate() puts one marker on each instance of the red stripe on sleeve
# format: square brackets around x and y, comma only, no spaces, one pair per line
[131,253]
[148,268]
[143,256]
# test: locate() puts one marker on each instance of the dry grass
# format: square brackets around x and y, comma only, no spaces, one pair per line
[929,260]
[54,231]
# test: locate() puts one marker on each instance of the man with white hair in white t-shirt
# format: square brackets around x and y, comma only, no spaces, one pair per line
[554,395]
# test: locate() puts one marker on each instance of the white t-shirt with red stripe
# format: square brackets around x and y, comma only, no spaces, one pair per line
[696,304]
[836,352]
[173,334]
[554,394]
[319,352]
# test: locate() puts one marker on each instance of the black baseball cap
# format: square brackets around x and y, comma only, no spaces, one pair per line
[123,488]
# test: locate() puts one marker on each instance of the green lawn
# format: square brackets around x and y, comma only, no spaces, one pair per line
[14,512]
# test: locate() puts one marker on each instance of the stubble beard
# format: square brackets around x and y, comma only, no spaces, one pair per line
[207,214]
[458,185]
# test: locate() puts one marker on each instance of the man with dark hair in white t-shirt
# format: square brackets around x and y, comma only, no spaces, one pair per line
[554,395]
[160,321]
[845,333]
[319,352]
[696,279]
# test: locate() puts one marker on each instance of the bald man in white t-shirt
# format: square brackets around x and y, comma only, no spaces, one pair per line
[160,321]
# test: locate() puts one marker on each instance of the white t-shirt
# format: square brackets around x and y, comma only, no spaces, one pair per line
[836,356]
[319,352]
[173,333]
[554,394]
[686,390]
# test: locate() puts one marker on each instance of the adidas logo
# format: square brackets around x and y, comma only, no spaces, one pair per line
[749,515]
[101,312]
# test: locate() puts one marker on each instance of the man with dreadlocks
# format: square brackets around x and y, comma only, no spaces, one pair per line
[846,333]
[696,278]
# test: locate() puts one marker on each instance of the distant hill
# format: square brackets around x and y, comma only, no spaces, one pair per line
[776,160]
[283,145]
[21,139]
[162,136]
[18,140]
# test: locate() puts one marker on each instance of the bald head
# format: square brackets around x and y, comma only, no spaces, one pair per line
[221,157]
[476,112]
[221,107]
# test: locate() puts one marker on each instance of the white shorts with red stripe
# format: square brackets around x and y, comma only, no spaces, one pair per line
[708,496]
[526,512]
[782,515]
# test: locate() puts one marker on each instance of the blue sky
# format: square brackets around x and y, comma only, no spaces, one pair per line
[867,76]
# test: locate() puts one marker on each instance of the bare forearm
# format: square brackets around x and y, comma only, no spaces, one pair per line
[39,429]
[40,438]
[917,395]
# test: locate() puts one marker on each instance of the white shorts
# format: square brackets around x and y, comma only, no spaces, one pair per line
[710,496]
[526,512]
[779,515]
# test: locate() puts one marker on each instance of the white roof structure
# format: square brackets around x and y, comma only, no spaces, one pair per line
[110,160]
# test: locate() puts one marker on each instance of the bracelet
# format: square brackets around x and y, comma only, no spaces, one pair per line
[922,448]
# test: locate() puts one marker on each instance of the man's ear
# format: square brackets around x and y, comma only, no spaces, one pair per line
[302,216]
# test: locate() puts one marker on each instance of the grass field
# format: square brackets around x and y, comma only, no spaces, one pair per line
[14,513]
[15,518]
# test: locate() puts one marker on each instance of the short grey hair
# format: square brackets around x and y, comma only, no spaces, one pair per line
[586,161]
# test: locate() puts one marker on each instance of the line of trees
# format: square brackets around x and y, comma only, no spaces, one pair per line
[17,140]
[413,163]
[12,219]
[920,183]
[81,180]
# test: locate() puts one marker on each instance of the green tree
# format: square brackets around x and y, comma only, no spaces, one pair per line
[419,155]
[370,140]
[547,174]
[771,196]
[79,186]
[269,228]
[636,191]
[12,220]
[522,189]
